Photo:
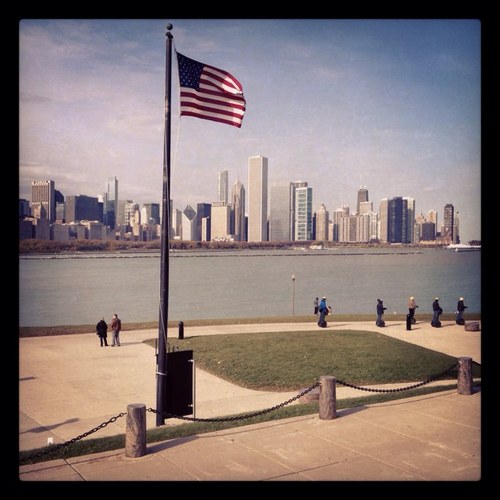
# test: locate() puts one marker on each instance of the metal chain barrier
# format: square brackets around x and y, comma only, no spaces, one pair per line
[407,388]
[53,448]
[240,417]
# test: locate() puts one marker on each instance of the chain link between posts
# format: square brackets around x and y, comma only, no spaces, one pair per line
[53,448]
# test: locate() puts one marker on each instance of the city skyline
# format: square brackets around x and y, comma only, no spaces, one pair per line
[280,201]
[392,105]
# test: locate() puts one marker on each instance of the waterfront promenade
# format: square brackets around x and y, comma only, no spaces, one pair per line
[69,385]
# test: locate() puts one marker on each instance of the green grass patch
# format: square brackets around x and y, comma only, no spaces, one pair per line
[168,432]
[287,361]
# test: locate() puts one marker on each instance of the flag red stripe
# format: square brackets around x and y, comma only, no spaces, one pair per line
[209,109]
[226,78]
[215,93]
[188,95]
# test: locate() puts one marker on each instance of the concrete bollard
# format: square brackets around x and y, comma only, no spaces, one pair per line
[464,383]
[327,398]
[135,434]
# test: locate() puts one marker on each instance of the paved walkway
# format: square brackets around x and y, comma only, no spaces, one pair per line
[68,386]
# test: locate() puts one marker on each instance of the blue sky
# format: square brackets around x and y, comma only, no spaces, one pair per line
[390,105]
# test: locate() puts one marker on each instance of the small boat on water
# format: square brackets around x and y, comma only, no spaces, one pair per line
[462,247]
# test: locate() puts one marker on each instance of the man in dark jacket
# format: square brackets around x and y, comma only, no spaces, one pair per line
[380,312]
[436,312]
[461,307]
[102,331]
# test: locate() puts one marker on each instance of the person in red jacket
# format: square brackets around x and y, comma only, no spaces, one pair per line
[116,326]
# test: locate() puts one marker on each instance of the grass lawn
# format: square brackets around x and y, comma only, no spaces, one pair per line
[287,361]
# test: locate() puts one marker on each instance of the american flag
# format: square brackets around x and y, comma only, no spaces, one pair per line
[210,93]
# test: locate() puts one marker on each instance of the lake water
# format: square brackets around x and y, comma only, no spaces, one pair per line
[80,288]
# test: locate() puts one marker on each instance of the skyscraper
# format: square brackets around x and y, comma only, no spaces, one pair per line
[150,213]
[189,224]
[238,210]
[176,224]
[280,212]
[43,201]
[383,233]
[322,216]
[337,220]
[257,198]
[456,228]
[220,221]
[432,216]
[110,202]
[410,207]
[303,213]
[223,187]
[362,197]
[448,223]
[82,207]
[398,221]
[203,212]
[395,220]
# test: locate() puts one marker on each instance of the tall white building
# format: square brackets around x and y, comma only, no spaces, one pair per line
[257,198]
[337,216]
[365,207]
[220,222]
[383,212]
[322,217]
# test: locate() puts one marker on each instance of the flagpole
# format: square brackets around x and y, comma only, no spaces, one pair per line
[161,370]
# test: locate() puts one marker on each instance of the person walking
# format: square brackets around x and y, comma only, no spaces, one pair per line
[380,312]
[411,309]
[102,332]
[436,312]
[116,326]
[316,305]
[461,307]
[323,311]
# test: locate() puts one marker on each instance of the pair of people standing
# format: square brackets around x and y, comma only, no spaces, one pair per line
[102,331]
[437,311]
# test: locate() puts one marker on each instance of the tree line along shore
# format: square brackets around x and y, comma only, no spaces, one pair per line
[35,246]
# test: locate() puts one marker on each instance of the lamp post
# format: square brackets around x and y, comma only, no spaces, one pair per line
[293,294]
